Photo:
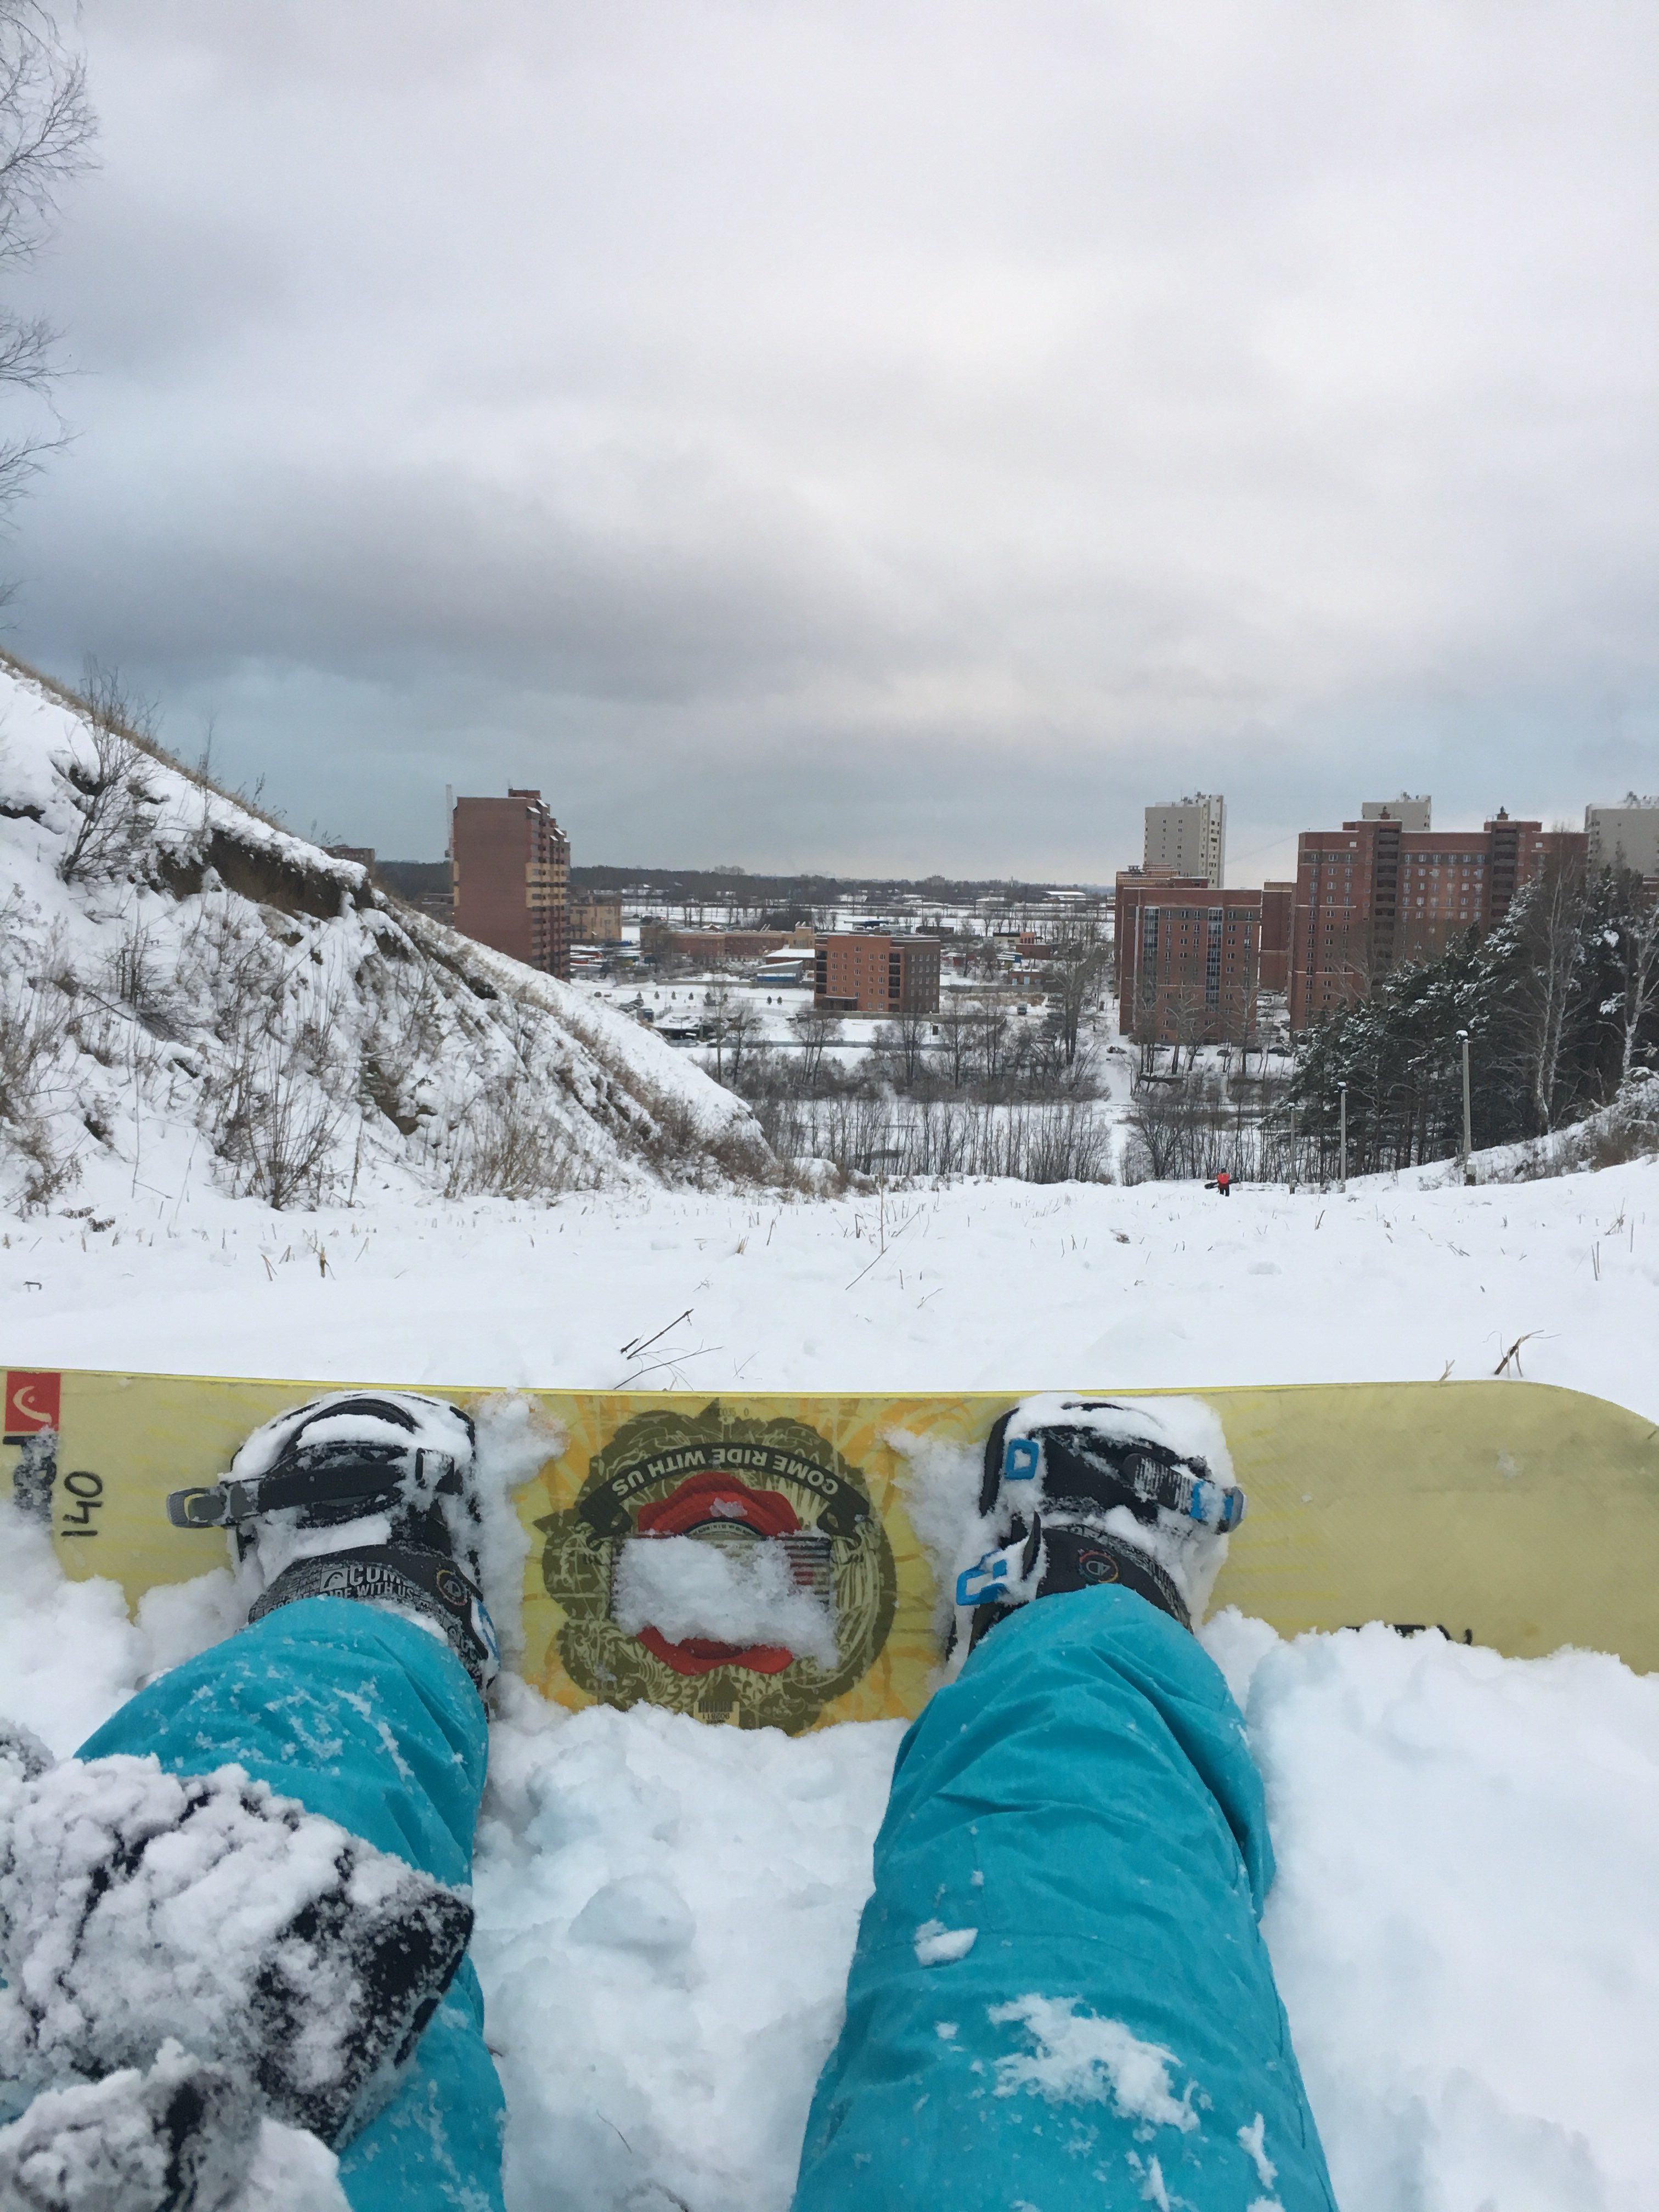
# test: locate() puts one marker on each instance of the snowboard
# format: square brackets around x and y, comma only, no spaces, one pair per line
[1509,1514]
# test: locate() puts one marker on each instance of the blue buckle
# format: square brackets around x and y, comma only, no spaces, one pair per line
[979,1584]
[1021,1458]
[1228,1507]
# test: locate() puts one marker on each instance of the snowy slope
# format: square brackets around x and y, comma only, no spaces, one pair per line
[1468,1846]
[189,994]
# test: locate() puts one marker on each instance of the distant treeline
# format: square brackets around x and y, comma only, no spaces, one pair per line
[414,879]
[735,886]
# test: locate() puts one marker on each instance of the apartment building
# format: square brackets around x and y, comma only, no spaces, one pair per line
[510,870]
[596,917]
[1188,839]
[1278,905]
[1412,811]
[1192,961]
[1626,835]
[1374,893]
[862,972]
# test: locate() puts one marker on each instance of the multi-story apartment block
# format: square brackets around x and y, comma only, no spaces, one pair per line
[1192,961]
[1374,893]
[1625,836]
[596,917]
[510,867]
[861,972]
[1189,839]
[1411,813]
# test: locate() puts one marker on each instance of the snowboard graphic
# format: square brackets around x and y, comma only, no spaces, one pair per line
[1513,1514]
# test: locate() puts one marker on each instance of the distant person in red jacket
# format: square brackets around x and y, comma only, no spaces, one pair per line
[1224,1183]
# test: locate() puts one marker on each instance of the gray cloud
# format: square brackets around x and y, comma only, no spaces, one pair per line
[896,435]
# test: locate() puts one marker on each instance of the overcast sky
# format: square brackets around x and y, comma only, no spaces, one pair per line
[867,433]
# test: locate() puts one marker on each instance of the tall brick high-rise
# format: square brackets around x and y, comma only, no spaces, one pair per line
[1374,893]
[510,864]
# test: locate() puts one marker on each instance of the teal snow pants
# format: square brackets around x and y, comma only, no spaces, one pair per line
[371,1722]
[1059,1997]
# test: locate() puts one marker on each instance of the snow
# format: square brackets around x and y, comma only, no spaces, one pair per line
[665,1913]
[981,1285]
[1467,1845]
[936,1945]
[1082,2059]
[739,1595]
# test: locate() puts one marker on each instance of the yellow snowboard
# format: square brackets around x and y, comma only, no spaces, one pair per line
[1510,1514]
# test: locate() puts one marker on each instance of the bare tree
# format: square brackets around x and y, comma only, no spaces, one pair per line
[47,126]
[1077,975]
[1639,957]
[735,1027]
[1549,918]
[906,1045]
[994,1041]
[816,1028]
[958,1030]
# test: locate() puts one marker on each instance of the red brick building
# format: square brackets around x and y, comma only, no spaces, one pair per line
[1374,893]
[859,972]
[1277,913]
[1191,959]
[510,867]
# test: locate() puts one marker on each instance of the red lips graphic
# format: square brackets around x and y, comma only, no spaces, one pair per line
[714,1500]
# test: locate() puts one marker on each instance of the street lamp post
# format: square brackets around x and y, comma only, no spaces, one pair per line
[1468,1145]
[1342,1106]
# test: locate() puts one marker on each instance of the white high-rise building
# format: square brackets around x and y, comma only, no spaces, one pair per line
[1412,814]
[1188,837]
[1627,835]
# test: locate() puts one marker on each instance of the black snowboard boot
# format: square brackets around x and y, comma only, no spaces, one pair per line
[359,1496]
[1077,1492]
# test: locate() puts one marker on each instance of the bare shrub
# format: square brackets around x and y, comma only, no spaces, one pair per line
[1048,1140]
[112,792]
[137,980]
[35,1039]
[509,1146]
[276,1126]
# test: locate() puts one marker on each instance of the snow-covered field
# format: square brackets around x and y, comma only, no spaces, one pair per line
[1468,1846]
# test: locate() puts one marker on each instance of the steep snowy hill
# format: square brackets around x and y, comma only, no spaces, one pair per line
[186,990]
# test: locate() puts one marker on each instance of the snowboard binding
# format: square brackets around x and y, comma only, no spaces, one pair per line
[354,1496]
[1086,1492]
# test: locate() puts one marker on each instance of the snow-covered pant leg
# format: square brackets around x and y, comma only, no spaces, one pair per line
[1060,1996]
[368,1720]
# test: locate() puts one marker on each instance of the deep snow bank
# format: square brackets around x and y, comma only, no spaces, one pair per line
[184,989]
